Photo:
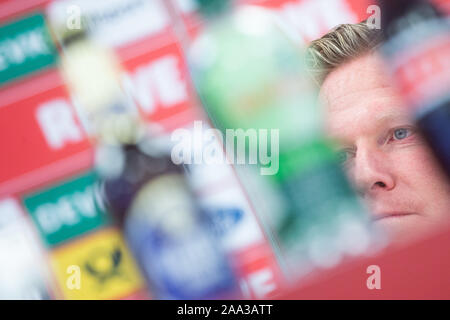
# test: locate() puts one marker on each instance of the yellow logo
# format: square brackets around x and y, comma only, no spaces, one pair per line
[107,269]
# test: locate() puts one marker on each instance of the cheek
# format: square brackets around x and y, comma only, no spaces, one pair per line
[424,164]
[416,162]
[419,171]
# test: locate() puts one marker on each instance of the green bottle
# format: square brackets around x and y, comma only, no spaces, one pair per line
[250,74]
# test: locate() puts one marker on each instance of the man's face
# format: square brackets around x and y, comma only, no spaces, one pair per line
[379,146]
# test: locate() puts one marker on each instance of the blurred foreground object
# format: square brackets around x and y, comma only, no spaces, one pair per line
[23,274]
[417,52]
[414,272]
[250,75]
[169,236]
[93,73]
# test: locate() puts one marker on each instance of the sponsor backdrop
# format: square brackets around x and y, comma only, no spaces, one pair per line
[48,210]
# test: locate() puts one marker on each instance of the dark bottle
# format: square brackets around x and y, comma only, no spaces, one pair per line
[417,52]
[172,240]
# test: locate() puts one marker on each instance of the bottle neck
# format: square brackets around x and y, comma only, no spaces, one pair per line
[403,15]
[214,9]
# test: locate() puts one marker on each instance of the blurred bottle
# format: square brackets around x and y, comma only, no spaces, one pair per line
[250,75]
[171,239]
[417,52]
[23,270]
[93,75]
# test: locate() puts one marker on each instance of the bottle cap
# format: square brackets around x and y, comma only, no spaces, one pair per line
[211,8]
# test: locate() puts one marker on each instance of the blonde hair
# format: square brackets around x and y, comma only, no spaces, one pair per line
[341,44]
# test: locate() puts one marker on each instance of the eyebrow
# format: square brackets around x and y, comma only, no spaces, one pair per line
[378,122]
[389,116]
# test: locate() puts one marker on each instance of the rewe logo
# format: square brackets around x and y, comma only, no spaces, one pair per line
[205,146]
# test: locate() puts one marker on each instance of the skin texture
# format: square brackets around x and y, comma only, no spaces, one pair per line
[382,151]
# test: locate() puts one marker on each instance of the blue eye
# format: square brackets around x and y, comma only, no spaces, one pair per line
[342,156]
[401,133]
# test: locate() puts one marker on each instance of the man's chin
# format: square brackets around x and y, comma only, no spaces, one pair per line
[406,229]
[403,229]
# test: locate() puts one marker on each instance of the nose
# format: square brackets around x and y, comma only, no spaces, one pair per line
[372,171]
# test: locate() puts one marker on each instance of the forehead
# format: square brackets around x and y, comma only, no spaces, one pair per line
[358,96]
[361,74]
